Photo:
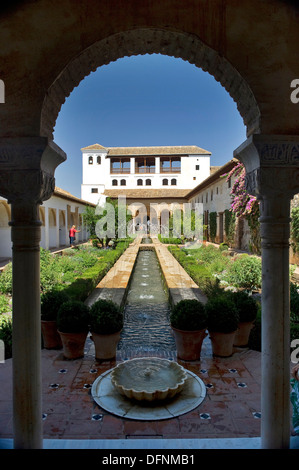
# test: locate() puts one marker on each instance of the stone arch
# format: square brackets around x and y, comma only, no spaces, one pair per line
[61,218]
[42,215]
[52,218]
[150,41]
[4,214]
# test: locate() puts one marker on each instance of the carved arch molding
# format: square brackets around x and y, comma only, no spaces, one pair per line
[150,41]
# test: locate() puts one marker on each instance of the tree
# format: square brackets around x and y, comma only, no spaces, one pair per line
[90,219]
[106,222]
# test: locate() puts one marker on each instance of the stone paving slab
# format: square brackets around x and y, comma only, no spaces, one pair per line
[231,408]
[114,285]
[180,284]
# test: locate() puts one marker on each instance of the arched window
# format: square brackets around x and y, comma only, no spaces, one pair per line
[98,159]
[165,182]
[148,182]
[90,160]
[139,182]
[173,182]
[114,183]
[123,182]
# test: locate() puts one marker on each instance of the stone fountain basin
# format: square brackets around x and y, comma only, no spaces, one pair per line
[149,378]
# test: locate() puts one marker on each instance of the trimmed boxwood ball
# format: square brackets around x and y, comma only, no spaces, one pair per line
[222,314]
[189,315]
[105,317]
[73,317]
[246,305]
[50,304]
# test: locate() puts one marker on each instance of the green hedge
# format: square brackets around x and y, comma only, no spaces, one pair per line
[6,334]
[170,240]
[200,274]
[84,284]
[213,225]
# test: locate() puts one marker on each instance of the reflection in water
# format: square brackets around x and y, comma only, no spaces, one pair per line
[147,309]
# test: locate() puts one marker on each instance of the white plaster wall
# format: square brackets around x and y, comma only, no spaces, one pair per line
[98,175]
[92,173]
[219,201]
[5,243]
[189,172]
[88,195]
[52,236]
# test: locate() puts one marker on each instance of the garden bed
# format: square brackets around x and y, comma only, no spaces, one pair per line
[211,268]
[76,272]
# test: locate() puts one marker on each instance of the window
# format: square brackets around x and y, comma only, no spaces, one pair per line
[94,190]
[90,160]
[211,194]
[194,178]
[145,165]
[123,182]
[173,182]
[170,164]
[229,183]
[197,167]
[120,165]
[139,182]
[148,182]
[99,159]
[114,182]
[217,190]
[165,182]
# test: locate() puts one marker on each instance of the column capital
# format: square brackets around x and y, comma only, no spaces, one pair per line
[272,165]
[27,166]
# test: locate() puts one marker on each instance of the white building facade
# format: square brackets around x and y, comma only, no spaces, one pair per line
[141,167]
[215,195]
[57,215]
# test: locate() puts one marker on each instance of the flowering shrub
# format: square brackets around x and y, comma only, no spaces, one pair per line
[245,272]
[242,202]
[245,205]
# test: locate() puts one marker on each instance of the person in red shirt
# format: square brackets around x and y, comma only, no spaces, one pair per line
[72,235]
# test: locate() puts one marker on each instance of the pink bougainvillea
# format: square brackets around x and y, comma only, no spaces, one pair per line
[243,204]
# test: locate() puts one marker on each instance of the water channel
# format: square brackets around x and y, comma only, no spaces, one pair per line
[146,313]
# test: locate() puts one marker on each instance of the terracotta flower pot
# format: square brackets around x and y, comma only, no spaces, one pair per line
[189,343]
[242,334]
[73,344]
[222,343]
[105,345]
[50,334]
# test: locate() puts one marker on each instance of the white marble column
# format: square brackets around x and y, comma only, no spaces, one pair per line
[47,229]
[27,405]
[26,180]
[272,174]
[57,228]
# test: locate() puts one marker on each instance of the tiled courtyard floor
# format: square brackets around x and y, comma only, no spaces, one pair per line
[230,409]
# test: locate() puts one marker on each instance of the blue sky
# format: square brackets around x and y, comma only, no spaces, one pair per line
[146,101]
